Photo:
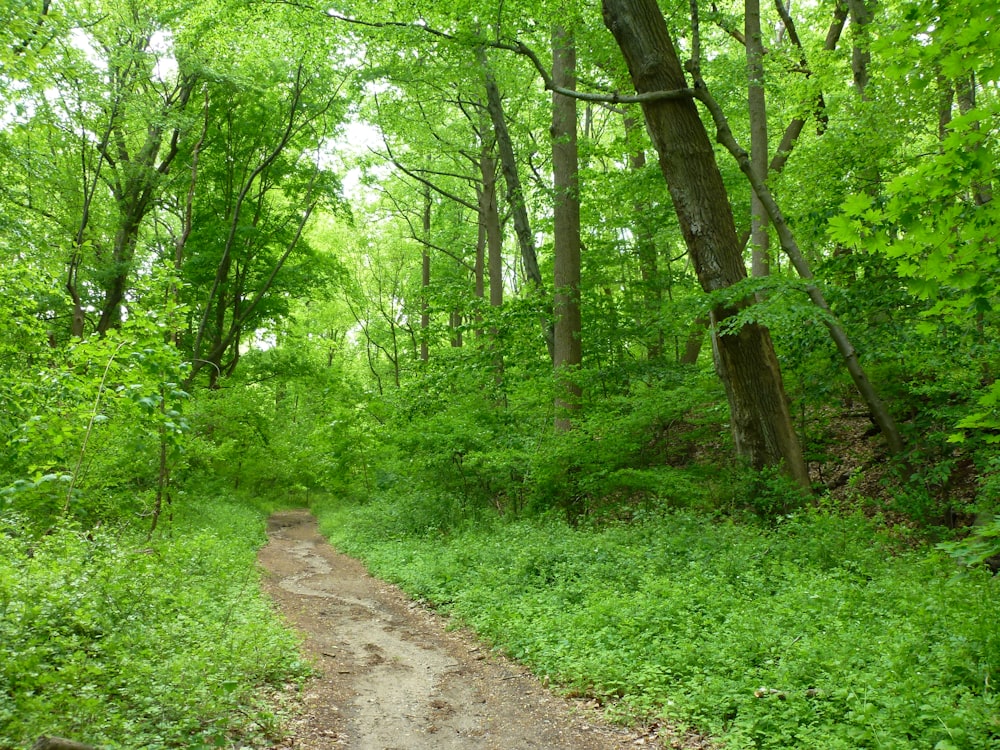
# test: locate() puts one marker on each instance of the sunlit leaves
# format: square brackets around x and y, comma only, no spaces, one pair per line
[941,237]
[958,37]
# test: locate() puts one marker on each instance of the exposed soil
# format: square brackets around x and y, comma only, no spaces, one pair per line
[392,676]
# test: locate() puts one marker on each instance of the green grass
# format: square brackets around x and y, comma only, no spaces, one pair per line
[112,640]
[814,633]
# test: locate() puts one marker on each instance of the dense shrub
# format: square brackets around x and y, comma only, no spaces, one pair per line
[123,643]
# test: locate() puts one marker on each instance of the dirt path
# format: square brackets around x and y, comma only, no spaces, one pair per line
[391,677]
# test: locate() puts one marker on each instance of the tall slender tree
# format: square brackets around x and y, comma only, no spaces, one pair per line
[567,349]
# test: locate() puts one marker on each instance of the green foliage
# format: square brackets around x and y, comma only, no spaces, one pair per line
[95,416]
[815,633]
[114,641]
[768,494]
[289,422]
[458,431]
[981,546]
[986,420]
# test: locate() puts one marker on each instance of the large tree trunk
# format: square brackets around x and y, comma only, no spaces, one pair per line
[567,350]
[760,419]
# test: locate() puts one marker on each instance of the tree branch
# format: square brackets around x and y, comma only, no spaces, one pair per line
[614,98]
[416,236]
[722,24]
[423,180]
[524,50]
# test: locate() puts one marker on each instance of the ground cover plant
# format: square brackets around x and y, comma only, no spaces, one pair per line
[112,639]
[817,631]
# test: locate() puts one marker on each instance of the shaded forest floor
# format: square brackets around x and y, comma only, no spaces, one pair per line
[390,674]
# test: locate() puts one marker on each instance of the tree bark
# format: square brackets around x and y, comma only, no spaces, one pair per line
[760,261]
[508,165]
[137,179]
[649,272]
[861,56]
[759,413]
[479,269]
[694,340]
[425,280]
[946,98]
[490,217]
[567,349]
[966,94]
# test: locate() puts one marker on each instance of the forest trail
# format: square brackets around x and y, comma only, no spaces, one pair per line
[392,677]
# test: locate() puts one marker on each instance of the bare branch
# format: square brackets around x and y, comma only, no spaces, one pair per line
[614,98]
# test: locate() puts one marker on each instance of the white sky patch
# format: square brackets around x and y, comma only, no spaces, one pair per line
[20,109]
[84,42]
[355,332]
[261,340]
[359,137]
[357,140]
[161,44]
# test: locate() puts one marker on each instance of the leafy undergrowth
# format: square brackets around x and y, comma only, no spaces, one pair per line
[119,642]
[813,633]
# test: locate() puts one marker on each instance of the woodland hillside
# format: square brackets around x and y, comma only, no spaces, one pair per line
[655,340]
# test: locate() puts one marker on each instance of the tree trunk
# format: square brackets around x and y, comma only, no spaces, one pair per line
[876,407]
[760,263]
[861,56]
[567,351]
[795,127]
[649,272]
[425,280]
[760,418]
[490,216]
[508,165]
[693,342]
[946,98]
[137,179]
[455,323]
[479,270]
[966,92]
